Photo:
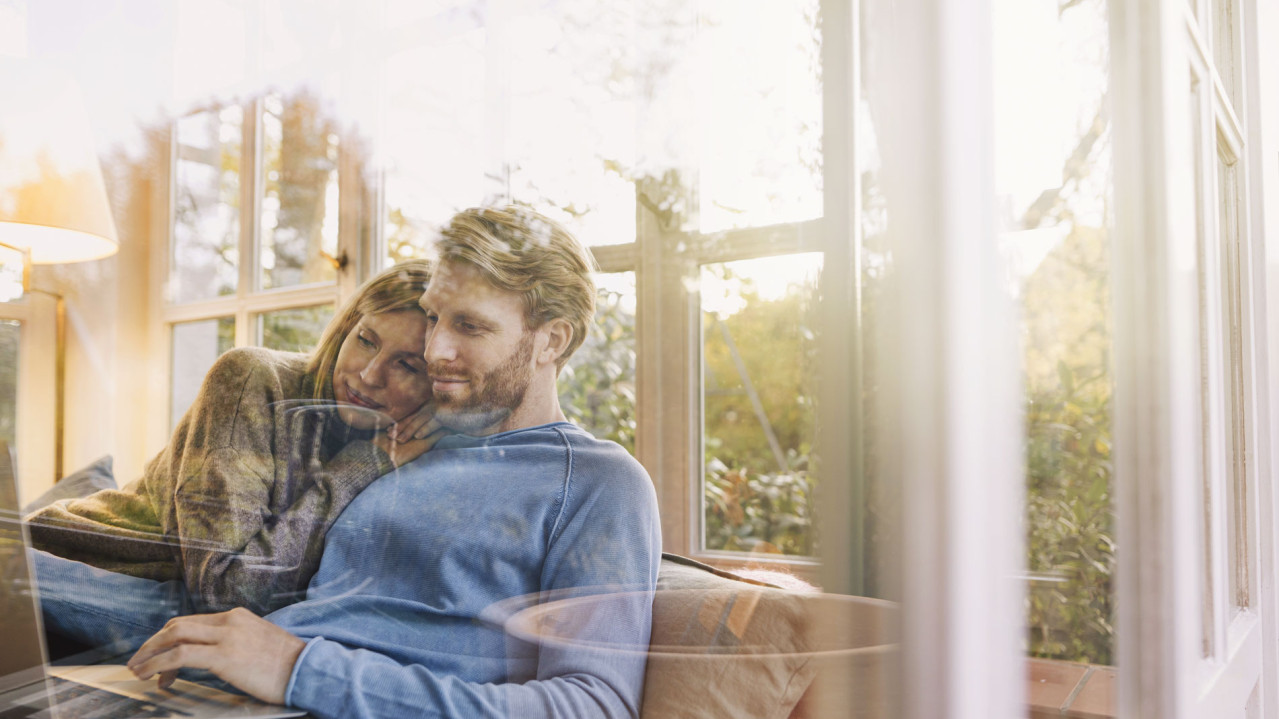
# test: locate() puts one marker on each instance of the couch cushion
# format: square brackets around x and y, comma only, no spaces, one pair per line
[724,645]
[81,483]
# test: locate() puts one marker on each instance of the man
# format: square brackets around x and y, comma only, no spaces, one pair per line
[519,503]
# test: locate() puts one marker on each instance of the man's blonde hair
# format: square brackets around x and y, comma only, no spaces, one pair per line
[398,287]
[520,250]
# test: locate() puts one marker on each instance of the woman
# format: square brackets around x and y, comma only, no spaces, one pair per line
[274,447]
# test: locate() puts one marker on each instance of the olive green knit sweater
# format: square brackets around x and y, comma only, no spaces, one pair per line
[238,503]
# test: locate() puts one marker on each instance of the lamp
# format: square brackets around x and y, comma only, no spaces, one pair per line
[53,203]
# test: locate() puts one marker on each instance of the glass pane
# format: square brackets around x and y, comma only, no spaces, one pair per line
[597,386]
[294,330]
[299,190]
[758,368]
[1055,188]
[10,336]
[196,345]
[206,225]
[758,86]
[433,142]
[577,65]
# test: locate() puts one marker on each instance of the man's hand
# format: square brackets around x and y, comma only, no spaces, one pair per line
[238,646]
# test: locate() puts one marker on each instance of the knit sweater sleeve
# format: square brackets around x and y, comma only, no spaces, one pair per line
[251,525]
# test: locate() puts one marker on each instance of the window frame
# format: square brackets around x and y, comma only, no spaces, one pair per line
[249,302]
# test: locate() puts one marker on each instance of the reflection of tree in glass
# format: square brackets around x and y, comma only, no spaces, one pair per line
[301,155]
[207,203]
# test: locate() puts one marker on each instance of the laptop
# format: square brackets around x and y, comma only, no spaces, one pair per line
[31,688]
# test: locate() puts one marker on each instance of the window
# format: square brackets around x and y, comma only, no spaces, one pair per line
[262,276]
[629,130]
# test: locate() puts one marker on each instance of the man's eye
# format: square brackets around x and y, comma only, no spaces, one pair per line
[432,319]
[468,327]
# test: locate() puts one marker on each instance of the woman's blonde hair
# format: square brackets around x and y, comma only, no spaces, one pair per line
[520,250]
[396,288]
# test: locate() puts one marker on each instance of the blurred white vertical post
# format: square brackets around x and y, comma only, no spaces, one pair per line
[1157,432]
[950,377]
[840,407]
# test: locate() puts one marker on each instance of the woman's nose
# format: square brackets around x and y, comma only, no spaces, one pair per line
[373,373]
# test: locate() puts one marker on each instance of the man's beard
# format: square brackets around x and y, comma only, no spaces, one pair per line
[494,396]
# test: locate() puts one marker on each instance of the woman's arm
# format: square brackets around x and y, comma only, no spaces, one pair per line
[250,516]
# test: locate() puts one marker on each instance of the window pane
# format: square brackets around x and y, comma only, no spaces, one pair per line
[206,225]
[10,336]
[578,65]
[433,139]
[1055,188]
[299,190]
[597,386]
[758,87]
[196,345]
[757,397]
[294,330]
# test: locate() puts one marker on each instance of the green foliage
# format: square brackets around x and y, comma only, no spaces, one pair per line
[756,512]
[1071,549]
[1070,520]
[756,501]
[597,386]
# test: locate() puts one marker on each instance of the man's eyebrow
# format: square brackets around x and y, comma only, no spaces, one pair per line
[474,319]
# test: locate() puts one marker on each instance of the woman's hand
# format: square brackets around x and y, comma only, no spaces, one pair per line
[418,425]
[238,646]
[409,439]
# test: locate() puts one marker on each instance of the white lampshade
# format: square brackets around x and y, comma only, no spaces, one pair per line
[52,198]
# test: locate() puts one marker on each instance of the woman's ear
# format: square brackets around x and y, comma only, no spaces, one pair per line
[558,334]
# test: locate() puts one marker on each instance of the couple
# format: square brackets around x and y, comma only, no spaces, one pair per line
[510,501]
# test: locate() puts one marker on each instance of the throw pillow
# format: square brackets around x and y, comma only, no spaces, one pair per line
[82,483]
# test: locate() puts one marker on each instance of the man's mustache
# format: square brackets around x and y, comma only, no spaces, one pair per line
[442,370]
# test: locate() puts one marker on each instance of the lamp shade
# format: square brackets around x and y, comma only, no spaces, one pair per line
[52,198]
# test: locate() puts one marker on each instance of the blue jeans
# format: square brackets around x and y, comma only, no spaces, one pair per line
[101,608]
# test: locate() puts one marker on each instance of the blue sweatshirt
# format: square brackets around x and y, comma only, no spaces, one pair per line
[394,614]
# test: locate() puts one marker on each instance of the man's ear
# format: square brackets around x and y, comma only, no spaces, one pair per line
[558,333]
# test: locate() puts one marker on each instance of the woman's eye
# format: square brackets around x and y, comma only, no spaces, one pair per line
[413,369]
[364,341]
[432,319]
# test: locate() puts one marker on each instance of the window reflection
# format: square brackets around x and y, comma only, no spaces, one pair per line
[433,138]
[299,213]
[206,227]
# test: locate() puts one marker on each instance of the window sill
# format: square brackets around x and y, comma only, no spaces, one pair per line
[1070,689]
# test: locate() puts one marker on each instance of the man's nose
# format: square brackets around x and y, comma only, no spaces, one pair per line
[441,346]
